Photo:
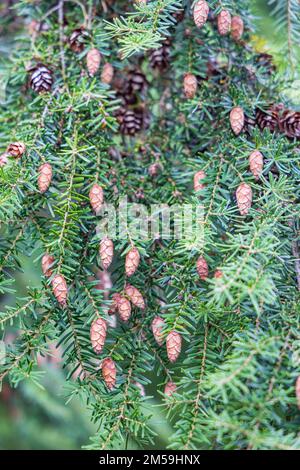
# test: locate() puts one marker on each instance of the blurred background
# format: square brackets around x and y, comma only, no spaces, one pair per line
[34,416]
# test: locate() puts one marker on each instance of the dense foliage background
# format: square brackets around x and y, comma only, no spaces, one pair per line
[35,416]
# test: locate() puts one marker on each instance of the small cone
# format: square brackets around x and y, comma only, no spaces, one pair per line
[109,372]
[224,22]
[200,175]
[202,268]
[201,11]
[157,326]
[256,163]
[93,59]
[237,28]
[16,149]
[96,198]
[124,308]
[45,177]
[189,85]
[218,274]
[106,251]
[132,261]
[135,296]
[98,334]
[4,159]
[244,198]
[298,391]
[60,289]
[47,262]
[107,73]
[170,388]
[173,342]
[237,119]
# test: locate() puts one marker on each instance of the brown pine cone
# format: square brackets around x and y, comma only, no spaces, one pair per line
[237,119]
[202,268]
[160,57]
[45,177]
[132,261]
[106,251]
[198,177]
[170,388]
[41,79]
[107,73]
[16,149]
[289,124]
[93,59]
[109,372]
[77,39]
[47,262]
[98,334]
[201,11]
[268,119]
[173,343]
[224,22]
[256,163]
[96,198]
[189,85]
[135,296]
[237,28]
[131,121]
[60,289]
[124,308]
[244,198]
[158,324]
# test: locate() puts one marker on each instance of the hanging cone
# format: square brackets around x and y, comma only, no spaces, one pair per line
[41,79]
[170,388]
[109,372]
[189,85]
[45,177]
[244,198]
[135,296]
[47,262]
[16,149]
[201,11]
[158,325]
[96,198]
[132,261]
[107,73]
[224,22]
[124,308]
[237,28]
[256,163]
[202,268]
[93,59]
[98,334]
[173,343]
[106,251]
[60,289]
[200,175]
[237,119]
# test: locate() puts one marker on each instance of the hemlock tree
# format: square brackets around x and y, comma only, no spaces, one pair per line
[158,102]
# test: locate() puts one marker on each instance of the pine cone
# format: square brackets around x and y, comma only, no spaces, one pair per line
[41,79]
[136,82]
[131,121]
[16,149]
[135,296]
[268,119]
[173,343]
[224,22]
[289,124]
[96,198]
[218,274]
[77,39]
[132,261]
[298,391]
[266,61]
[60,289]
[45,177]
[237,28]
[107,73]
[201,11]
[170,388]
[106,251]
[202,268]
[237,119]
[160,58]
[98,334]
[124,308]
[47,262]
[256,163]
[157,326]
[154,169]
[109,372]
[198,177]
[244,198]
[189,85]
[93,59]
